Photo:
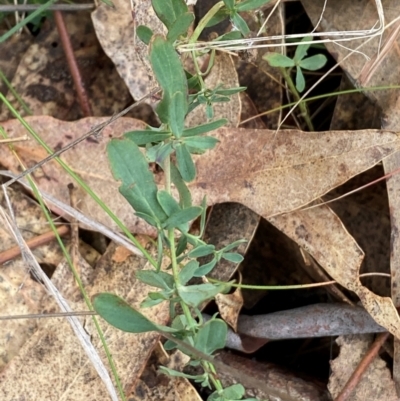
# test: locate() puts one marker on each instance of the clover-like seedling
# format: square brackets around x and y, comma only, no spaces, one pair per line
[300,61]
[232,9]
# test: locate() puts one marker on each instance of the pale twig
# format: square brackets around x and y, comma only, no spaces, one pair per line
[11,140]
[10,8]
[71,212]
[80,332]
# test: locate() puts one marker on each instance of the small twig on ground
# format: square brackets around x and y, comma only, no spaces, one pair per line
[33,243]
[83,97]
[361,368]
[10,8]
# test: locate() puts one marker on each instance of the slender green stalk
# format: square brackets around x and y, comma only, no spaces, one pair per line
[15,94]
[204,21]
[78,280]
[292,87]
[323,96]
[79,181]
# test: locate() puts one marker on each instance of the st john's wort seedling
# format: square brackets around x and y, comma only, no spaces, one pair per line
[172,146]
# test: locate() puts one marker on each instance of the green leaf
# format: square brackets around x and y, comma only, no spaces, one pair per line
[158,295]
[233,35]
[172,78]
[169,346]
[163,152]
[177,112]
[194,295]
[233,257]
[195,151]
[187,271]
[278,60]
[185,197]
[182,216]
[211,336]
[144,33]
[175,373]
[240,24]
[167,202]
[301,50]
[151,152]
[209,111]
[202,250]
[179,323]
[300,81]
[151,220]
[204,128]
[185,163]
[313,63]
[159,279]
[203,215]
[203,270]
[229,4]
[180,26]
[201,142]
[168,11]
[149,303]
[182,245]
[233,245]
[130,166]
[219,16]
[121,315]
[234,392]
[162,108]
[248,5]
[144,137]
[230,91]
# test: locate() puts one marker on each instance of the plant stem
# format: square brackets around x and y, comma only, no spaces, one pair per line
[302,105]
[204,21]
[216,382]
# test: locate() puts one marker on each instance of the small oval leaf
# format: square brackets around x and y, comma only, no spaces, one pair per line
[121,315]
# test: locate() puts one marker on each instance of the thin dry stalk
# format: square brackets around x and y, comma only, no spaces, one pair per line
[362,367]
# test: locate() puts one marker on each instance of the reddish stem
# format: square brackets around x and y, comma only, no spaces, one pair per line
[73,65]
[362,367]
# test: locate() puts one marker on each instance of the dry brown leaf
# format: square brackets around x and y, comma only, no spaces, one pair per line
[321,233]
[275,174]
[116,29]
[376,383]
[267,173]
[229,306]
[154,385]
[223,74]
[89,161]
[284,385]
[229,222]
[19,293]
[376,61]
[260,79]
[52,365]
[380,67]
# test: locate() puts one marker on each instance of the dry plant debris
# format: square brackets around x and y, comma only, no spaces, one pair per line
[53,351]
[376,384]
[273,174]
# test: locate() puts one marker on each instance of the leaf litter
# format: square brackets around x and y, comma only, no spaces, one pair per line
[291,175]
[58,352]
